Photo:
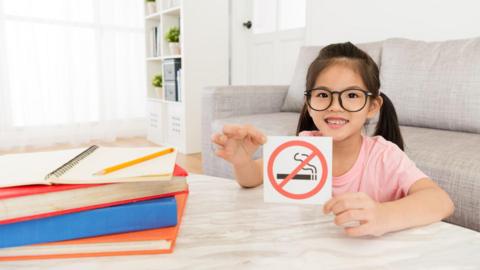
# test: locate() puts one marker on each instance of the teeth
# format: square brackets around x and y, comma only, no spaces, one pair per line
[336,121]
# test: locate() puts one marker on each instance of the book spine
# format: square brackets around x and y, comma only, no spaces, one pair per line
[152,42]
[159,40]
[139,216]
[155,42]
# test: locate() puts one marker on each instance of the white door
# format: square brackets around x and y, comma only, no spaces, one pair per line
[266,37]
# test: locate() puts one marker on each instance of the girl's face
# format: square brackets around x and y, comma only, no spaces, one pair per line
[335,121]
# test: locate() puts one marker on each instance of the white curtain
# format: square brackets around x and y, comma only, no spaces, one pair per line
[71,71]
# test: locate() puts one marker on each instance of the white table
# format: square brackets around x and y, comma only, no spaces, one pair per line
[227,227]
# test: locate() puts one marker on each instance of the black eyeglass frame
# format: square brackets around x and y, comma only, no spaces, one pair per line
[308,95]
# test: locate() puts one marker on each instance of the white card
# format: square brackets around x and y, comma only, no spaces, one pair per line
[297,169]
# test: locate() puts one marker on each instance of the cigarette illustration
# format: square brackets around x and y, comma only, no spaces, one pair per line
[310,168]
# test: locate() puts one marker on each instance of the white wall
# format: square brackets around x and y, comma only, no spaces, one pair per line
[329,21]
[372,20]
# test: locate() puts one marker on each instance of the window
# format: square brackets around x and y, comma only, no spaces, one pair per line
[277,15]
[67,60]
[71,71]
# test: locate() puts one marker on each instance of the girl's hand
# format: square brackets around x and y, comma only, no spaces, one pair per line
[238,143]
[358,208]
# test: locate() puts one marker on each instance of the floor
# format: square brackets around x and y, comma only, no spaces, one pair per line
[192,163]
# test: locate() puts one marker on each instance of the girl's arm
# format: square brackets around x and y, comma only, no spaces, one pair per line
[425,203]
[249,174]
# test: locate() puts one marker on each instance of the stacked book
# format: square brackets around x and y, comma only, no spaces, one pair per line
[74,203]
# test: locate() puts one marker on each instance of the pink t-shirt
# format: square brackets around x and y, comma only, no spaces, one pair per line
[382,170]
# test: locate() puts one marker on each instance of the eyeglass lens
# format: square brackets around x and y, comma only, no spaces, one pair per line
[351,100]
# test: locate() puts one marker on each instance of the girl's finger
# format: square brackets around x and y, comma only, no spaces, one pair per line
[257,136]
[214,137]
[328,205]
[221,153]
[235,131]
[219,139]
[327,208]
[348,204]
[351,216]
[358,231]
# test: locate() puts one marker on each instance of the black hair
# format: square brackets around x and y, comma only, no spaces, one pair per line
[387,125]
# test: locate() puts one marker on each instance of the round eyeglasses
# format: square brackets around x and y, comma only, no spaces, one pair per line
[351,99]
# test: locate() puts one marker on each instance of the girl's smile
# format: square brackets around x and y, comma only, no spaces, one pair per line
[336,122]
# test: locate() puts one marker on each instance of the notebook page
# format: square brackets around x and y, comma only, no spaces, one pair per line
[31,168]
[105,157]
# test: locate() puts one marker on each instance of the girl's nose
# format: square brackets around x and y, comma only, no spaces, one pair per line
[335,106]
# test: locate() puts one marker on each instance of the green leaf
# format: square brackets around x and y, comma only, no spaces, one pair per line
[173,34]
[157,80]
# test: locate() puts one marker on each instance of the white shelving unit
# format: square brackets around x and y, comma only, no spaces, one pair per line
[204,62]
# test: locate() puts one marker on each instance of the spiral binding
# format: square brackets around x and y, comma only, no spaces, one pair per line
[71,163]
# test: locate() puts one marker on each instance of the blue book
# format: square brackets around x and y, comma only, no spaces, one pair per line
[138,216]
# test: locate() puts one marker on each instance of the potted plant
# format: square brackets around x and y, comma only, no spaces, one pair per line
[151,6]
[173,37]
[157,82]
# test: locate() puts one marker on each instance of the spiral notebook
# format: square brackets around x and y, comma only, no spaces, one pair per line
[77,166]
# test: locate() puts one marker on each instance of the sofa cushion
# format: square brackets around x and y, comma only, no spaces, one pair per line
[452,160]
[434,84]
[294,99]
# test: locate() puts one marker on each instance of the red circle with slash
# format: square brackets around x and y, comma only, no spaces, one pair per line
[280,186]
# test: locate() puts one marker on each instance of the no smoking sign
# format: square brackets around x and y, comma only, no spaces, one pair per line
[297,169]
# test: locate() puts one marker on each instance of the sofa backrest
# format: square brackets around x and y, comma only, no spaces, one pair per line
[294,99]
[433,84]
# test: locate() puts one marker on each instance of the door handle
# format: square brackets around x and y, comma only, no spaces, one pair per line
[247,24]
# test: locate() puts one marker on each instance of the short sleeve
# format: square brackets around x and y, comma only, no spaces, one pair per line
[400,172]
[310,133]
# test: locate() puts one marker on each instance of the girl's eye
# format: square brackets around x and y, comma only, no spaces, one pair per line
[353,94]
[320,94]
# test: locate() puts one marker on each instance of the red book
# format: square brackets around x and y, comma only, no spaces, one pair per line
[39,201]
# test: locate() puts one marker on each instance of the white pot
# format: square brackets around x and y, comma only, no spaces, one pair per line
[159,92]
[151,8]
[174,48]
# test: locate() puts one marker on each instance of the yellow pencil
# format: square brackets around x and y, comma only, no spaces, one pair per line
[133,162]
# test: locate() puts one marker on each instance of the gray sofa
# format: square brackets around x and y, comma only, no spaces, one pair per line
[435,87]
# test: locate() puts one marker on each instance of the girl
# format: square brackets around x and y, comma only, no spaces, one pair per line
[374,183]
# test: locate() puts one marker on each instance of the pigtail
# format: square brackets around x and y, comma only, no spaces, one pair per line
[387,125]
[305,122]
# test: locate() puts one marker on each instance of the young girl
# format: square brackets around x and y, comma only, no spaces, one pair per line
[375,184]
